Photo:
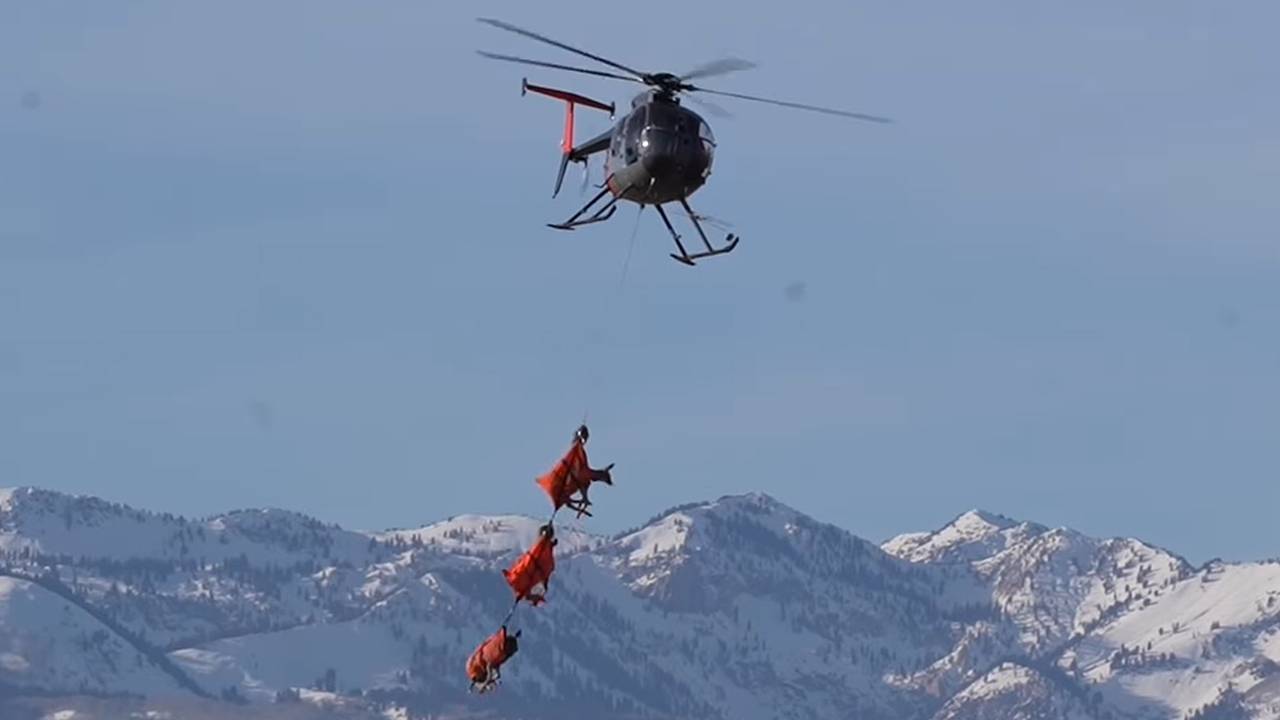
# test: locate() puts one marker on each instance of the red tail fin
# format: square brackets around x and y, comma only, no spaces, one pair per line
[570,100]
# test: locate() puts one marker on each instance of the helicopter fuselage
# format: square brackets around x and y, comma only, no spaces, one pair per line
[660,152]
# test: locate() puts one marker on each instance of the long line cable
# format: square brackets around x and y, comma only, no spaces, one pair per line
[598,367]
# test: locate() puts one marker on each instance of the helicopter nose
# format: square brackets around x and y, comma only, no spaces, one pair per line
[658,163]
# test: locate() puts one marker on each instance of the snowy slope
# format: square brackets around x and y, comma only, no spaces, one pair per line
[1051,583]
[1216,629]
[48,642]
[489,535]
[739,607]
[1012,691]
[56,524]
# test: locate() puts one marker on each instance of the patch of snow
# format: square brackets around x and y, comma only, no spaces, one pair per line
[654,542]
[1004,678]
[489,535]
[321,698]
[1269,644]
[6,498]
[10,662]
[974,535]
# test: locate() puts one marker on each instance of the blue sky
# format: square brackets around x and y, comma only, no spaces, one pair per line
[295,255]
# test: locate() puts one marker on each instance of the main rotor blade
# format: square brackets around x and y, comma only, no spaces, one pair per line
[717,67]
[527,33]
[710,107]
[814,108]
[557,66]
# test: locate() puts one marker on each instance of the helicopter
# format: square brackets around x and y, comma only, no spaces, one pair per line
[660,152]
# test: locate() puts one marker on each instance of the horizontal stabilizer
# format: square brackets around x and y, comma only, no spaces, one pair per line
[565,95]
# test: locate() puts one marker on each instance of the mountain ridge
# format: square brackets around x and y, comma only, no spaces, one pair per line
[734,607]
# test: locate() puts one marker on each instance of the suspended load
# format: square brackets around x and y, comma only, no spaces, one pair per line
[531,573]
[483,667]
[571,475]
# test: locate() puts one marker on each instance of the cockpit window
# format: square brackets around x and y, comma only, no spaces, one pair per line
[704,132]
[631,136]
[615,143]
[635,121]
[708,142]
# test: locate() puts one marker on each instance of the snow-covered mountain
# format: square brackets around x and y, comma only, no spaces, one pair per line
[972,536]
[735,608]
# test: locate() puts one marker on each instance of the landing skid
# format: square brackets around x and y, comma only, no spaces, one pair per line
[604,213]
[685,257]
[608,209]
